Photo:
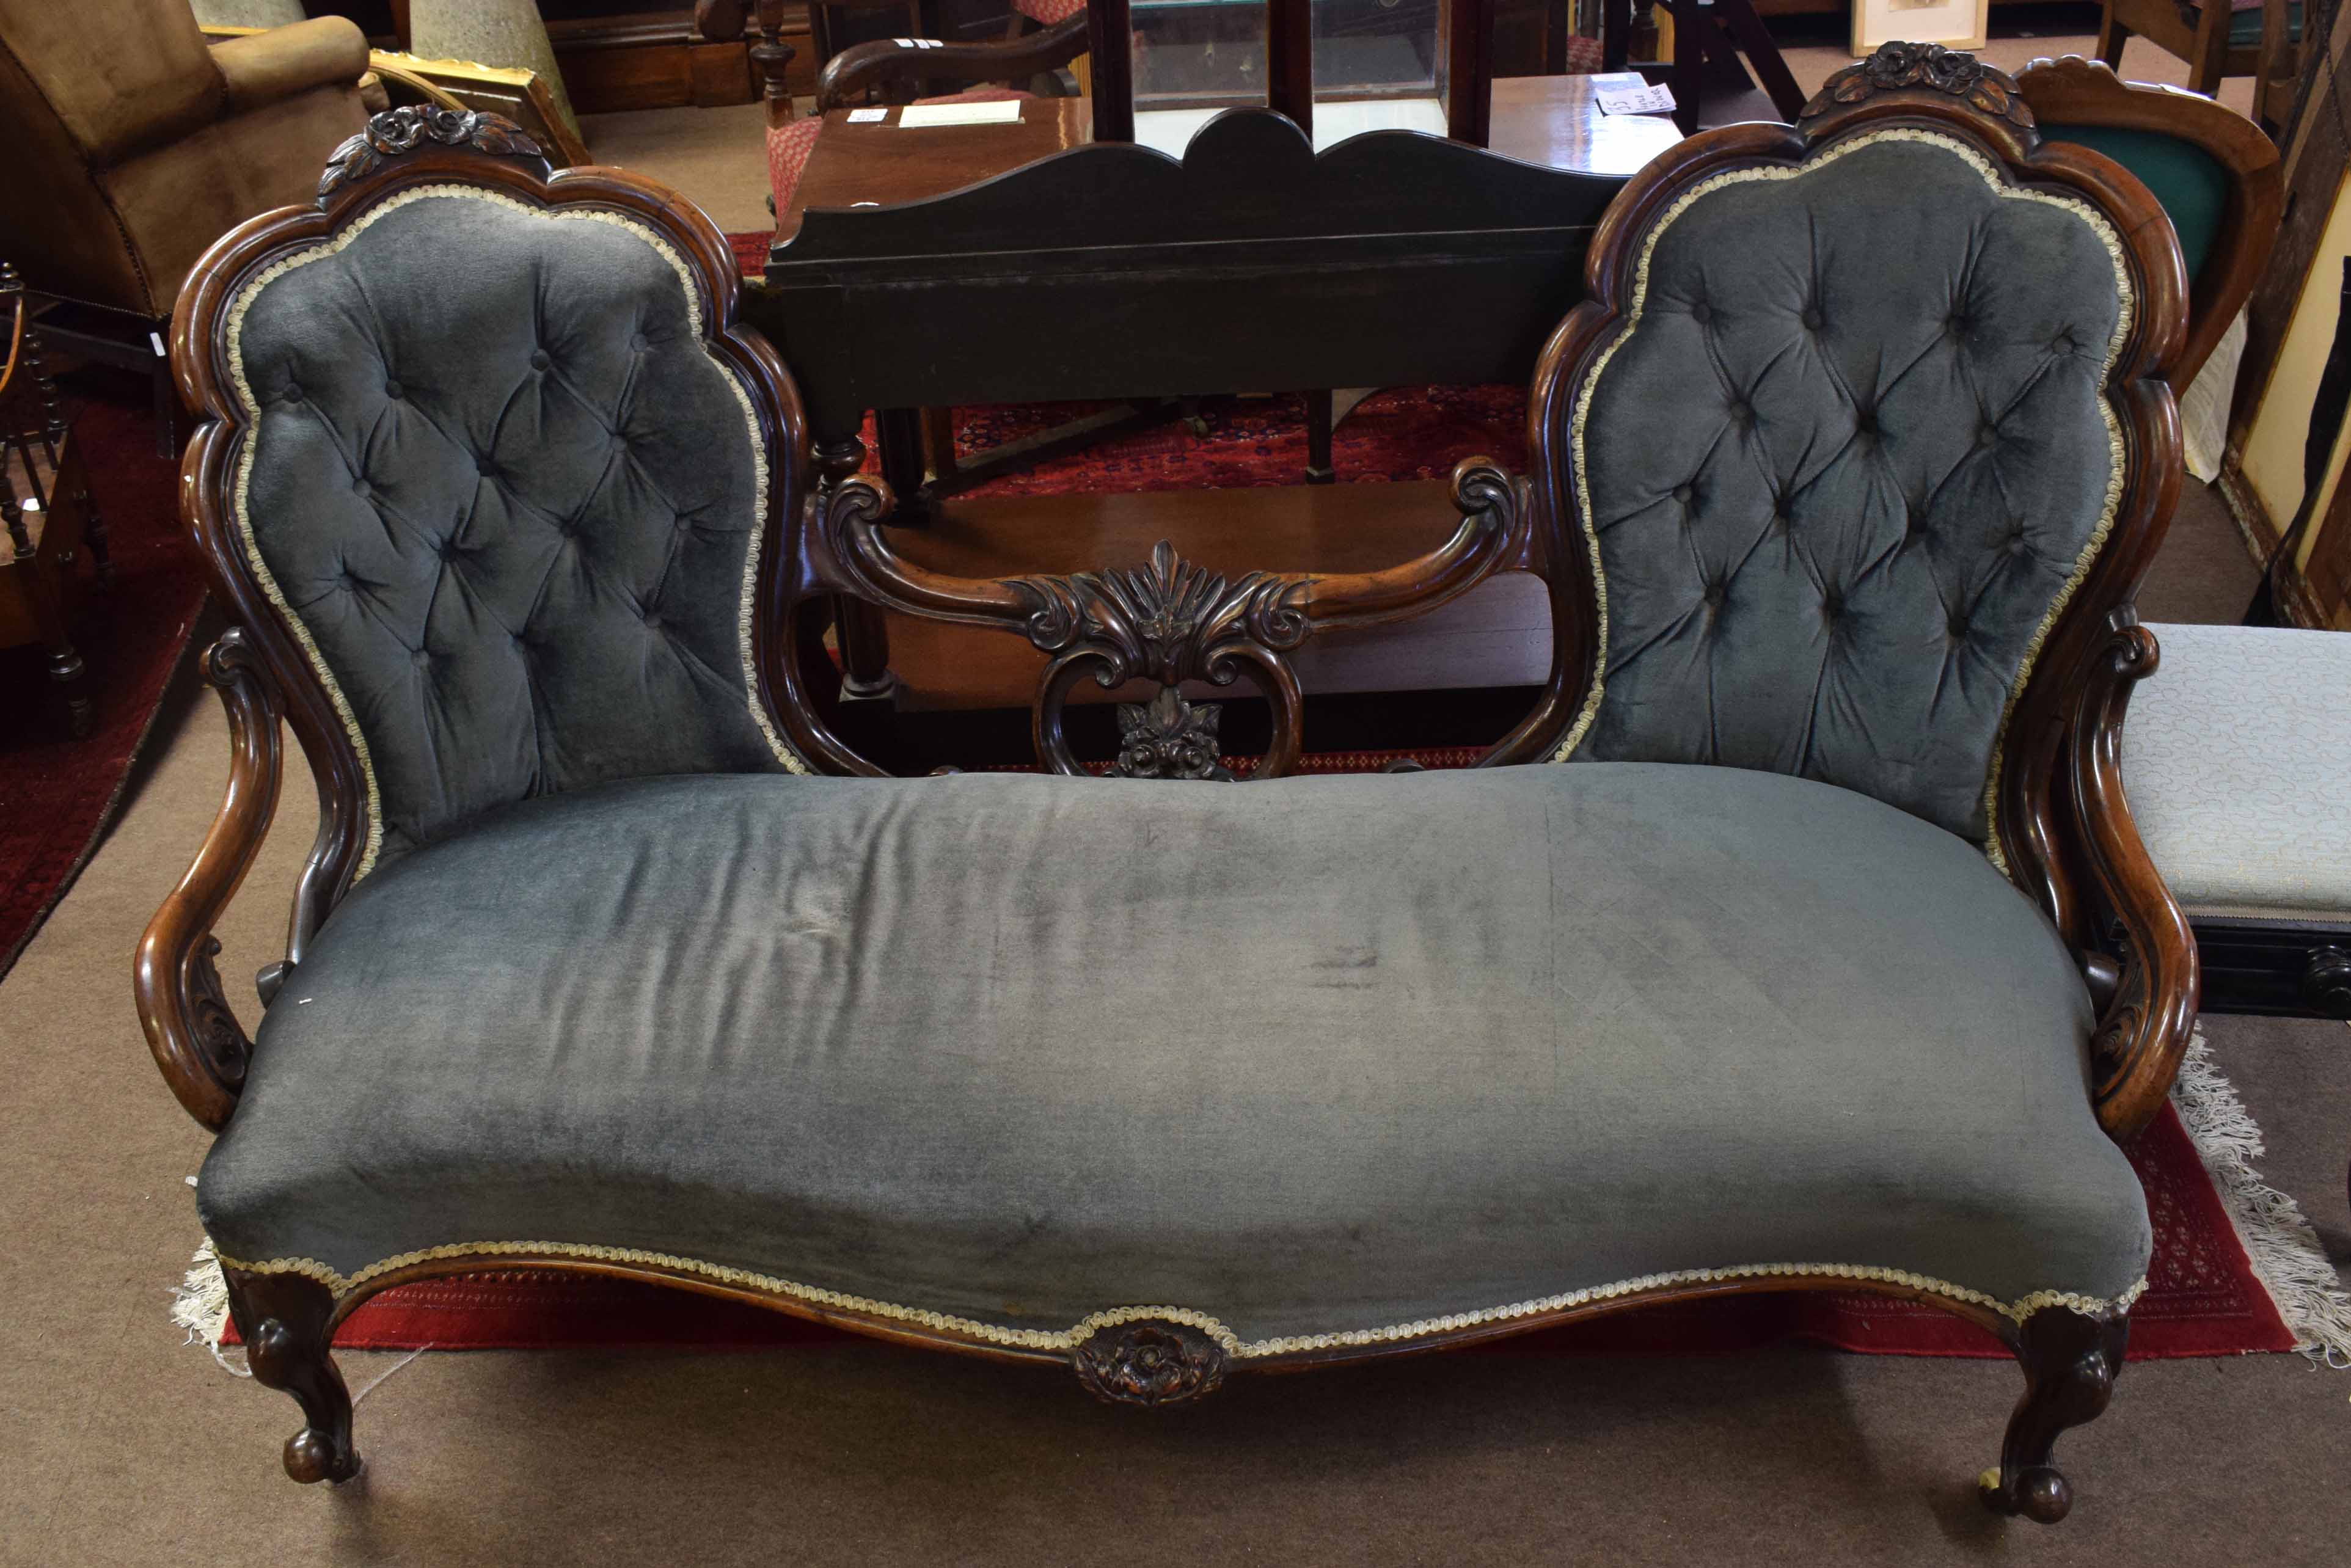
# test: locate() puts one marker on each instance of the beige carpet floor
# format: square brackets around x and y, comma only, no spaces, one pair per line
[120,1445]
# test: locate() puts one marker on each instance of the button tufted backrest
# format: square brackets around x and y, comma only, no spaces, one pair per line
[1845,462]
[508,501]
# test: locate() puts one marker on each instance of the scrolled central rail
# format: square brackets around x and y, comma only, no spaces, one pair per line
[1169,621]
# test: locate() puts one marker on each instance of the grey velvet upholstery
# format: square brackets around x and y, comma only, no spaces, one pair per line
[1316,1055]
[1843,463]
[511,498]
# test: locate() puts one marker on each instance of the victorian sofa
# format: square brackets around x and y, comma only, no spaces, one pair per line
[1798,937]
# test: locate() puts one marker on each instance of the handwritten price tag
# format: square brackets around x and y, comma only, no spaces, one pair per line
[1633,100]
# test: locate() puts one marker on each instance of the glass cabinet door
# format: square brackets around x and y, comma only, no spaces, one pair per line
[1378,64]
[1193,60]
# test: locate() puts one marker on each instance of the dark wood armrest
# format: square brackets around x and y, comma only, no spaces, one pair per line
[190,1026]
[1169,621]
[851,73]
[2145,966]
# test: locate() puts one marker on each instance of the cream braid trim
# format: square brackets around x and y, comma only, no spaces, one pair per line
[1086,1327]
[251,406]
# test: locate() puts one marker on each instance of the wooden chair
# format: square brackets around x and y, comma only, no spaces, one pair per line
[2255,40]
[896,68]
[46,508]
[2216,175]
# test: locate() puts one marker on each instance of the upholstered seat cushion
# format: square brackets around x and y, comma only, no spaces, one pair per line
[2234,757]
[1319,1056]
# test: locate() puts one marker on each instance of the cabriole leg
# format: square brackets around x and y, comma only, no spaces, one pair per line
[286,1322]
[2070,1360]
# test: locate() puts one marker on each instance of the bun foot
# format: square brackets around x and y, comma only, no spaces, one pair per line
[2070,1362]
[314,1456]
[288,1323]
[2042,1494]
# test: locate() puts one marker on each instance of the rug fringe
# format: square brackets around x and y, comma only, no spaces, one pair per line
[199,1305]
[2278,1238]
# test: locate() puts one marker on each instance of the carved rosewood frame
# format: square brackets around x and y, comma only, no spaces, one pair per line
[2064,829]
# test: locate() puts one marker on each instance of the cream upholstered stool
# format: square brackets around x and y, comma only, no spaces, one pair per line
[2236,756]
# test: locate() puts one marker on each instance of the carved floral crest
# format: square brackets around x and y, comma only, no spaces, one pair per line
[411,126]
[1168,621]
[1896,67]
[1149,1362]
[1167,738]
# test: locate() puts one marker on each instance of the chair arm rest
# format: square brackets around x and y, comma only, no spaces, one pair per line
[2144,976]
[849,74]
[190,1026]
[266,67]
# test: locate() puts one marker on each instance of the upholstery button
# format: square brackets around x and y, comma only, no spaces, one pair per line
[1958,627]
[392,390]
[1864,423]
[539,359]
[1987,436]
[639,342]
[486,468]
[1832,606]
[1714,594]
[652,620]
[1780,524]
[1682,493]
[2064,342]
[1956,326]
[1743,413]
[1701,312]
[292,391]
[1812,319]
[361,488]
[420,658]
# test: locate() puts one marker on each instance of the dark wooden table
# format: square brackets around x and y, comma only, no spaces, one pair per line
[1550,121]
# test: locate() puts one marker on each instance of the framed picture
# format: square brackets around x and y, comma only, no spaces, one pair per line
[519,95]
[1954,24]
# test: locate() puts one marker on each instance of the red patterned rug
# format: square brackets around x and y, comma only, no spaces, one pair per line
[2203,1299]
[58,794]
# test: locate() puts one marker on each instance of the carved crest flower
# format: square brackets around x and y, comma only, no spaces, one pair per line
[1150,1362]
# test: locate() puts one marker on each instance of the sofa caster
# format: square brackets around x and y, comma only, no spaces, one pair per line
[2070,1360]
[288,1324]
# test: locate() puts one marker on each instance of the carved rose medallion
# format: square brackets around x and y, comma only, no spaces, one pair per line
[409,127]
[1149,1362]
[1897,67]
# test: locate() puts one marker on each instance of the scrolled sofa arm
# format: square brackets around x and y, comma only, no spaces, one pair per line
[263,69]
[860,68]
[190,1026]
[2149,1010]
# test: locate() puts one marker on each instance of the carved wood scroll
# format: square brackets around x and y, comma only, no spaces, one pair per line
[1169,621]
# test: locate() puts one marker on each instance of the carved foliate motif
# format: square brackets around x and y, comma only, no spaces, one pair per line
[411,126]
[1897,67]
[1149,1362]
[1167,738]
[1168,621]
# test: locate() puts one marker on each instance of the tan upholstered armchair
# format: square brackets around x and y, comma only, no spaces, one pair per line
[133,146]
